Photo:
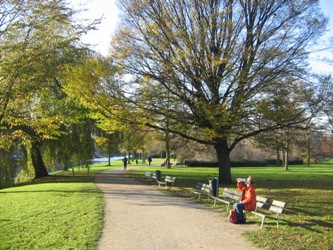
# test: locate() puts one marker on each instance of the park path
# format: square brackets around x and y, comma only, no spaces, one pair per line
[139,216]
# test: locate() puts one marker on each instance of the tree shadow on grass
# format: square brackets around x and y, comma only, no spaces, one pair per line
[311,225]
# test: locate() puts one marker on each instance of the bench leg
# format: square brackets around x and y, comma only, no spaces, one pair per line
[262,222]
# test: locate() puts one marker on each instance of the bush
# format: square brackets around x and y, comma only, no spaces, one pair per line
[194,163]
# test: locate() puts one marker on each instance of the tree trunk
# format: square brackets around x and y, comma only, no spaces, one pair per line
[286,166]
[167,149]
[308,155]
[223,155]
[66,164]
[286,159]
[109,160]
[278,159]
[37,161]
[143,156]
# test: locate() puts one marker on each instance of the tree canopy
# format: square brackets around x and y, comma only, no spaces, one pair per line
[39,41]
[215,70]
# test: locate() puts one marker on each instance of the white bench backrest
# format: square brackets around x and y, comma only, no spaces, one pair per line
[272,205]
[232,194]
[170,179]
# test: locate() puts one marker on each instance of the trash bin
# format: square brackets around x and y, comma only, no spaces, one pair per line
[214,186]
[158,175]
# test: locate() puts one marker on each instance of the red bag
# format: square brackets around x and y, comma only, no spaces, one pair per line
[233,217]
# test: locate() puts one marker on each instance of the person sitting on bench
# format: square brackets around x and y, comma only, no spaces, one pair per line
[249,199]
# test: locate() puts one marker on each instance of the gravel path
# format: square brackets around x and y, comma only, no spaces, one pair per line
[139,216]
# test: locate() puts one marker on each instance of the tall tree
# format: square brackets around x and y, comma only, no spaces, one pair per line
[39,41]
[108,142]
[217,61]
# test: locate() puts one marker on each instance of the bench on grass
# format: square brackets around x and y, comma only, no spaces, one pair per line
[150,176]
[268,208]
[168,181]
[228,197]
[202,189]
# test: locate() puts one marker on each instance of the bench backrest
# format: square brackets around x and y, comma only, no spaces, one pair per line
[232,194]
[170,179]
[148,174]
[272,205]
[203,187]
[198,186]
[206,188]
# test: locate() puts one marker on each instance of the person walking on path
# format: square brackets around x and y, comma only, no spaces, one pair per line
[149,160]
[139,216]
[125,162]
[249,199]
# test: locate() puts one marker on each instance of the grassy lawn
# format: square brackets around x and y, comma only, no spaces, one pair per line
[308,190]
[57,212]
[66,212]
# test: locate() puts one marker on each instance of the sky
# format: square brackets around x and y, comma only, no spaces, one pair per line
[108,10]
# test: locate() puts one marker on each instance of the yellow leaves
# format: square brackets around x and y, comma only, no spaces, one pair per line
[94,85]
[220,61]
[6,142]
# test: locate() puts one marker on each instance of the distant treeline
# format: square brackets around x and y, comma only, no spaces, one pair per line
[195,163]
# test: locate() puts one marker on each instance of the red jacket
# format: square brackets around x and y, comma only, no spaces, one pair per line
[249,198]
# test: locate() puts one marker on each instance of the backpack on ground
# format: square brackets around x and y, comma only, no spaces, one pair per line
[233,217]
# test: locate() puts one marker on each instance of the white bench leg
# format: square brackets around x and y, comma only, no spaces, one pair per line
[262,222]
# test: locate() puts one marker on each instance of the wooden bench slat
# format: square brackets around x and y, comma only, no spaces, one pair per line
[278,203]
[261,199]
[277,210]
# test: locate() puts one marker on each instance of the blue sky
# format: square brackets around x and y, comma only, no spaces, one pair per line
[107,8]
[327,7]
[322,67]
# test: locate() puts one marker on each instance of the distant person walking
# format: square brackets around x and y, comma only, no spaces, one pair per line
[125,162]
[149,160]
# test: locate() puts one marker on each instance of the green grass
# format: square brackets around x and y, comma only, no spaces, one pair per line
[308,190]
[66,212]
[57,212]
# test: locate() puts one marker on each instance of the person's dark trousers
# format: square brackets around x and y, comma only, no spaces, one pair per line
[240,211]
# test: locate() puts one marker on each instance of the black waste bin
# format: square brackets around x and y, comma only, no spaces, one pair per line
[158,175]
[214,183]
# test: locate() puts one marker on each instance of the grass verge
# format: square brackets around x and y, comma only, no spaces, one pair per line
[57,212]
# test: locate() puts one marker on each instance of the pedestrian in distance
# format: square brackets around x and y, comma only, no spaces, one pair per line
[149,160]
[249,198]
[125,162]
